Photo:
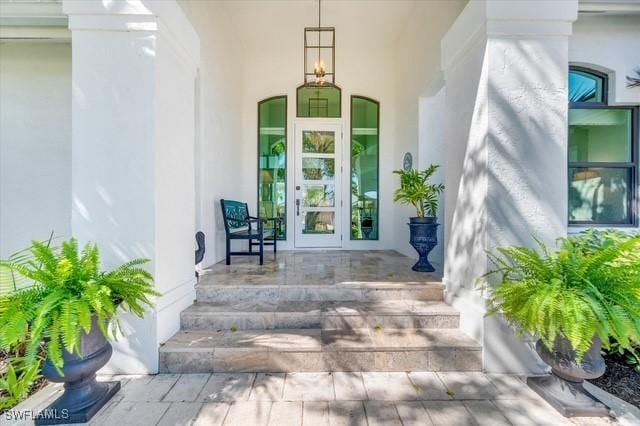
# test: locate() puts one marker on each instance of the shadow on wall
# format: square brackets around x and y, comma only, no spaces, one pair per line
[432,150]
[513,176]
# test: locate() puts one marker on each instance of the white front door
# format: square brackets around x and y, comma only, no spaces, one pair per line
[318,172]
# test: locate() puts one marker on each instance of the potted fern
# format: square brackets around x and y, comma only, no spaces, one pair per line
[574,299]
[70,305]
[415,190]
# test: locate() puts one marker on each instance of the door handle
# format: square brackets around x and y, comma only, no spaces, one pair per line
[297,206]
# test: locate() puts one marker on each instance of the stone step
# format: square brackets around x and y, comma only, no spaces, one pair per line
[325,315]
[320,350]
[340,292]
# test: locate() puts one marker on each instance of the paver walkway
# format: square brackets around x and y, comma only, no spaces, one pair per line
[419,398]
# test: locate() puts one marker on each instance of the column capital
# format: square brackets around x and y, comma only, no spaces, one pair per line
[134,16]
[530,17]
[483,19]
[92,15]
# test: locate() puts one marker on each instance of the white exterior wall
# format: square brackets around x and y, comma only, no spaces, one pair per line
[499,127]
[134,70]
[280,62]
[175,202]
[465,175]
[239,70]
[418,74]
[506,70]
[219,152]
[432,150]
[609,43]
[35,143]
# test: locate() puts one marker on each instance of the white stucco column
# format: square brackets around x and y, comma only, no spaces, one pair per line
[133,70]
[505,65]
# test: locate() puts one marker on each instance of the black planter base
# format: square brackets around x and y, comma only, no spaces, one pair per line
[423,265]
[569,398]
[58,414]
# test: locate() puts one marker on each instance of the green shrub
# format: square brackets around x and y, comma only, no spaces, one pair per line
[596,240]
[629,356]
[415,190]
[589,286]
[65,288]
[16,381]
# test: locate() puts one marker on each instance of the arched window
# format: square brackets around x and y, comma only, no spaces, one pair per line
[587,86]
[603,143]
[272,161]
[319,101]
[365,158]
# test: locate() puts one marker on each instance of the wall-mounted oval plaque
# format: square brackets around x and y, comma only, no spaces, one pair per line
[407,161]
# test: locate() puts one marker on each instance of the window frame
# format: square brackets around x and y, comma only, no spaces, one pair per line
[366,98]
[286,159]
[331,86]
[605,86]
[632,166]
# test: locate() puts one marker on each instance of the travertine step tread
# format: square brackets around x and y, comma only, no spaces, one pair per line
[317,340]
[382,307]
[365,291]
[307,283]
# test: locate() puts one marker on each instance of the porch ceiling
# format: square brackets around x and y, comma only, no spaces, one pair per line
[260,21]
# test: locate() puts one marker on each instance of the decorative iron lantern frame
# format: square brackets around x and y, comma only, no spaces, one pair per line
[314,45]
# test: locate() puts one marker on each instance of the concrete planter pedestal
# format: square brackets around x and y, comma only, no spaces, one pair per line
[563,389]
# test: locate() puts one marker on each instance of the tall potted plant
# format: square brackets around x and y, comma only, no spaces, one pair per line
[70,306]
[574,299]
[415,190]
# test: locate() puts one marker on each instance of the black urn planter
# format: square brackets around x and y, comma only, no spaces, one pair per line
[83,396]
[563,389]
[423,238]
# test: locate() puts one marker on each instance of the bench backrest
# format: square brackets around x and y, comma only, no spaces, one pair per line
[235,215]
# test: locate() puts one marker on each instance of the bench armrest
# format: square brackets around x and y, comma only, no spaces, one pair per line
[259,221]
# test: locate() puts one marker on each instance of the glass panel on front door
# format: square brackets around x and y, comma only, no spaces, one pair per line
[319,142]
[318,196]
[319,223]
[318,185]
[318,168]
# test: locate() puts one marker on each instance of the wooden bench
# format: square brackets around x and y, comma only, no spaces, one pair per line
[239,225]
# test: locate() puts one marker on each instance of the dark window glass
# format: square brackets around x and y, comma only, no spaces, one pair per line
[272,161]
[365,137]
[602,154]
[599,195]
[600,135]
[319,101]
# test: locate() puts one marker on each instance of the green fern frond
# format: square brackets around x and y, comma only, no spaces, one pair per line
[67,291]
[589,286]
[70,329]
